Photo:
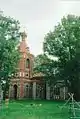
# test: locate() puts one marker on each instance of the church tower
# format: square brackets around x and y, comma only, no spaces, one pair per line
[24,63]
[25,70]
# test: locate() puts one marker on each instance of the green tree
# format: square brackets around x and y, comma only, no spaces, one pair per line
[46,66]
[64,43]
[9,54]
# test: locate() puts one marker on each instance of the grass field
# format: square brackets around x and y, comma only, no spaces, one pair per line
[33,110]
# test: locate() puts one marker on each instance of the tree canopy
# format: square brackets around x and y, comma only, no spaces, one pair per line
[46,66]
[9,39]
[64,43]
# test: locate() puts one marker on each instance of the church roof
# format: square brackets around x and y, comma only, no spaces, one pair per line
[38,75]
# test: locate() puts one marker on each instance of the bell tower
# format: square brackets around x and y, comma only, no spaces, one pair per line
[25,63]
[25,70]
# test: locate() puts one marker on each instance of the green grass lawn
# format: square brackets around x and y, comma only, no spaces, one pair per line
[34,110]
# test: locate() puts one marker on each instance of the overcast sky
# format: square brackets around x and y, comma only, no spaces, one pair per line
[39,17]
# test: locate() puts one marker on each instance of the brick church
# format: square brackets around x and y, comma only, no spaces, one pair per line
[25,85]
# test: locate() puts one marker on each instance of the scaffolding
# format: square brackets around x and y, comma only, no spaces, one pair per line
[74,107]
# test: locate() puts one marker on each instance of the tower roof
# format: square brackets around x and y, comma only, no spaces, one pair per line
[23,45]
[23,35]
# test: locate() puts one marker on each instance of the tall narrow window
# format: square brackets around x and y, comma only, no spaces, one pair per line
[27,63]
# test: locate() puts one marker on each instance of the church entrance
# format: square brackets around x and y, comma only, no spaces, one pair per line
[15,91]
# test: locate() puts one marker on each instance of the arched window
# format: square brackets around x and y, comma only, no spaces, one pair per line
[27,90]
[27,63]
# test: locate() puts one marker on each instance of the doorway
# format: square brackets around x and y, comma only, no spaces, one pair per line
[15,91]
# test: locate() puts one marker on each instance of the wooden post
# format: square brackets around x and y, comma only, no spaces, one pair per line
[73,105]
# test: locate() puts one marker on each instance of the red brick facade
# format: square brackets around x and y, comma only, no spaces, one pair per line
[25,70]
